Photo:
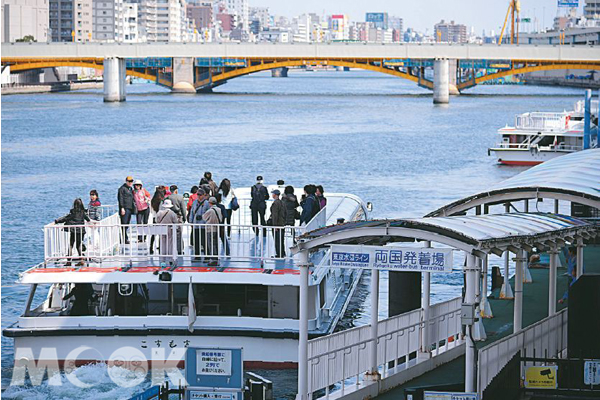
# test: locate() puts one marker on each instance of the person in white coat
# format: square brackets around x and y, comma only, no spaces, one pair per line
[166,216]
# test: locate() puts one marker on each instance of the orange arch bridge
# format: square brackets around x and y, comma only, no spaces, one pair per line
[208,73]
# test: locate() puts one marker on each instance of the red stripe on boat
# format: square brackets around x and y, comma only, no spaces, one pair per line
[195,269]
[38,270]
[250,270]
[522,163]
[285,271]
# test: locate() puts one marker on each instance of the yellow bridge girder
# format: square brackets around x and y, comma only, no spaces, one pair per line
[264,64]
[277,63]
[18,65]
[530,68]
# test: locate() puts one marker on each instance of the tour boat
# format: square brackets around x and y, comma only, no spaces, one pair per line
[541,136]
[142,302]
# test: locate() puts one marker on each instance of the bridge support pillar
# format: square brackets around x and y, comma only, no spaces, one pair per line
[114,79]
[280,72]
[441,91]
[453,66]
[183,75]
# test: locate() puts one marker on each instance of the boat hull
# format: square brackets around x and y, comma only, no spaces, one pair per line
[150,352]
[522,157]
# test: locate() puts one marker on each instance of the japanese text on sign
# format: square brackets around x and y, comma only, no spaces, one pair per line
[449,396]
[541,377]
[392,258]
[211,395]
[213,362]
[591,372]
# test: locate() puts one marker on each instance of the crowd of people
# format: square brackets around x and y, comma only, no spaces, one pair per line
[208,207]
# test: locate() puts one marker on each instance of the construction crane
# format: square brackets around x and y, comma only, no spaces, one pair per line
[514,10]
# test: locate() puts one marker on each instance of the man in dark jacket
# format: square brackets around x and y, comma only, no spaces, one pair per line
[126,204]
[258,205]
[310,205]
[278,213]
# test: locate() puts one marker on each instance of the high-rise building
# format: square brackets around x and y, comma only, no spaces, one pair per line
[202,15]
[21,18]
[164,21]
[591,10]
[241,10]
[127,29]
[450,32]
[103,17]
[260,14]
[339,26]
[71,20]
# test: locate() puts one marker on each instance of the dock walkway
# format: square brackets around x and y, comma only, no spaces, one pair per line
[535,308]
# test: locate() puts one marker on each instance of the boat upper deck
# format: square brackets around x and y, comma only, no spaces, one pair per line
[136,253]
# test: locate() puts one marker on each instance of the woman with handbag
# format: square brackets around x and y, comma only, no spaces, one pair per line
[229,200]
[141,200]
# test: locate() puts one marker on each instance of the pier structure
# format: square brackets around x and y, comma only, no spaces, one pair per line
[200,67]
[436,344]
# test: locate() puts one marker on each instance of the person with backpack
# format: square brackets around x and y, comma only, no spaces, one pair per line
[222,234]
[198,209]
[212,217]
[208,180]
[258,204]
[278,217]
[310,204]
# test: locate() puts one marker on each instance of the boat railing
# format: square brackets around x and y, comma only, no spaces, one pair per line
[542,121]
[546,338]
[344,356]
[109,240]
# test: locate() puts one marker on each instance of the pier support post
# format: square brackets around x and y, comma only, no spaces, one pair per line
[478,328]
[518,310]
[303,328]
[486,309]
[556,206]
[441,88]
[470,298]
[579,259]
[373,374]
[506,292]
[587,118]
[183,75]
[114,79]
[552,282]
[280,72]
[425,302]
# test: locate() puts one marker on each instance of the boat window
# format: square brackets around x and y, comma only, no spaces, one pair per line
[69,299]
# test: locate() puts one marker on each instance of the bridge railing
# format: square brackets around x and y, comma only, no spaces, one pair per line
[546,338]
[342,356]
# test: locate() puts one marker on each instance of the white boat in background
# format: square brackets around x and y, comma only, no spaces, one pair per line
[541,136]
[141,300]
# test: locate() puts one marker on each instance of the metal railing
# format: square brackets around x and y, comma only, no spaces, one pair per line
[546,338]
[541,121]
[109,240]
[345,355]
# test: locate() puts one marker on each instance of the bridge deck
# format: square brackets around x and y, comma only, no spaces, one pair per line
[535,308]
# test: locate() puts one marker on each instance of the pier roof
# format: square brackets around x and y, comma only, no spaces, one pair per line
[479,233]
[574,177]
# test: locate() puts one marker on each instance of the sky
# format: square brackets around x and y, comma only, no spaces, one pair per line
[421,14]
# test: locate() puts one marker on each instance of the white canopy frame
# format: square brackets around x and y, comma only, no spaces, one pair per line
[477,236]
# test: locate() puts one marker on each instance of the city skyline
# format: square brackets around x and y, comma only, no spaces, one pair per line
[417,15]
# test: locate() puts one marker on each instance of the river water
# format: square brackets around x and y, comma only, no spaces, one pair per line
[376,136]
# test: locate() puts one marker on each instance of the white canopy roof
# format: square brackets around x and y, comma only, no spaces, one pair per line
[574,177]
[480,234]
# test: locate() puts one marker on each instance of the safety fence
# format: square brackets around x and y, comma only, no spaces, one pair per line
[546,338]
[109,240]
[542,120]
[342,356]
